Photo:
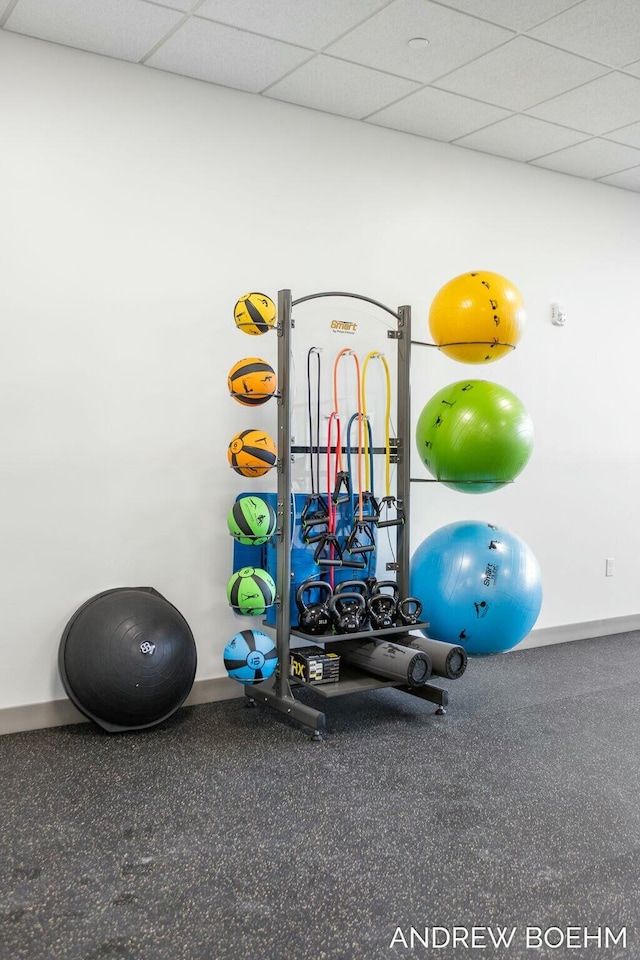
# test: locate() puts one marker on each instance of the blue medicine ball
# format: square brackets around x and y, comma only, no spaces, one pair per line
[480,586]
[250,656]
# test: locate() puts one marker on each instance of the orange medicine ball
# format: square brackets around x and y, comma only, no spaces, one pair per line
[477,317]
[251,381]
[252,453]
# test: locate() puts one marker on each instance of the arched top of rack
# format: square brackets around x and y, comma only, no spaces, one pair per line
[354,296]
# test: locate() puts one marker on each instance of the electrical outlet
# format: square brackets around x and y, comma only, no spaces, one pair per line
[609,567]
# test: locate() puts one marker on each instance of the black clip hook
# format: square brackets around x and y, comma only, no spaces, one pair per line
[327,541]
[314,513]
[370,506]
[342,480]
[391,503]
[361,539]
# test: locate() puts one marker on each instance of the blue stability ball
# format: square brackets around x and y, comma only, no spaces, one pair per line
[480,586]
[250,656]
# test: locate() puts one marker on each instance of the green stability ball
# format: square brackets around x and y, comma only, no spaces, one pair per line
[474,436]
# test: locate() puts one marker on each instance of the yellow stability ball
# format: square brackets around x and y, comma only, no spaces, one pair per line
[477,317]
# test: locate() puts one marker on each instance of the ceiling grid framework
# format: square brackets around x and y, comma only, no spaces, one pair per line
[552,83]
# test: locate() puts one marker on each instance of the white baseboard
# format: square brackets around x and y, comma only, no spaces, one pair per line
[580,631]
[56,713]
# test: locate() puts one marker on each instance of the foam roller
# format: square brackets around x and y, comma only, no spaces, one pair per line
[388,660]
[448,659]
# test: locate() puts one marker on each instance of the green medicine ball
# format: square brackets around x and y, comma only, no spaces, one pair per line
[474,436]
[251,520]
[250,591]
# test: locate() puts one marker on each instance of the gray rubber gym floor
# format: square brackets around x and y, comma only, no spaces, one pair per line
[227,834]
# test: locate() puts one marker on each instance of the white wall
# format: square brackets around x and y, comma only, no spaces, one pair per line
[138,205]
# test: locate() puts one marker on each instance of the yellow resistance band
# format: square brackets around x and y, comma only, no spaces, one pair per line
[376,355]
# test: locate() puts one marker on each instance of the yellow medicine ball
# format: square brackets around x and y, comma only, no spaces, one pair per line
[255,313]
[477,317]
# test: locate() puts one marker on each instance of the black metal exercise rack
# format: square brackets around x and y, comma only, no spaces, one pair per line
[277,692]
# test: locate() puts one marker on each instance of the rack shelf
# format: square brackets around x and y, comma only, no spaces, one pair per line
[351,680]
[389,632]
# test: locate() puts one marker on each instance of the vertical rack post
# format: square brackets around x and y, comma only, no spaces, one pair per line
[403,401]
[283,548]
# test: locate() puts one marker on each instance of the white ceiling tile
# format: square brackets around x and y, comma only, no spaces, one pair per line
[511,13]
[453,37]
[591,159]
[549,98]
[629,135]
[336,86]
[311,23]
[629,180]
[520,74]
[521,138]
[219,54]
[604,104]
[605,30]
[437,114]
[126,29]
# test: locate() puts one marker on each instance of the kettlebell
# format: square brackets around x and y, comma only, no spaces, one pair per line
[352,586]
[348,612]
[314,618]
[355,586]
[382,607]
[409,611]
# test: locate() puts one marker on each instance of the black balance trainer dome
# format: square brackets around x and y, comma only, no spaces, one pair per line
[127,658]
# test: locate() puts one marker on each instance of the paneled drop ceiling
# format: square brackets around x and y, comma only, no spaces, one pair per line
[553,83]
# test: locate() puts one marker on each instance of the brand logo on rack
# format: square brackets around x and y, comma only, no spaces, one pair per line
[343,326]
